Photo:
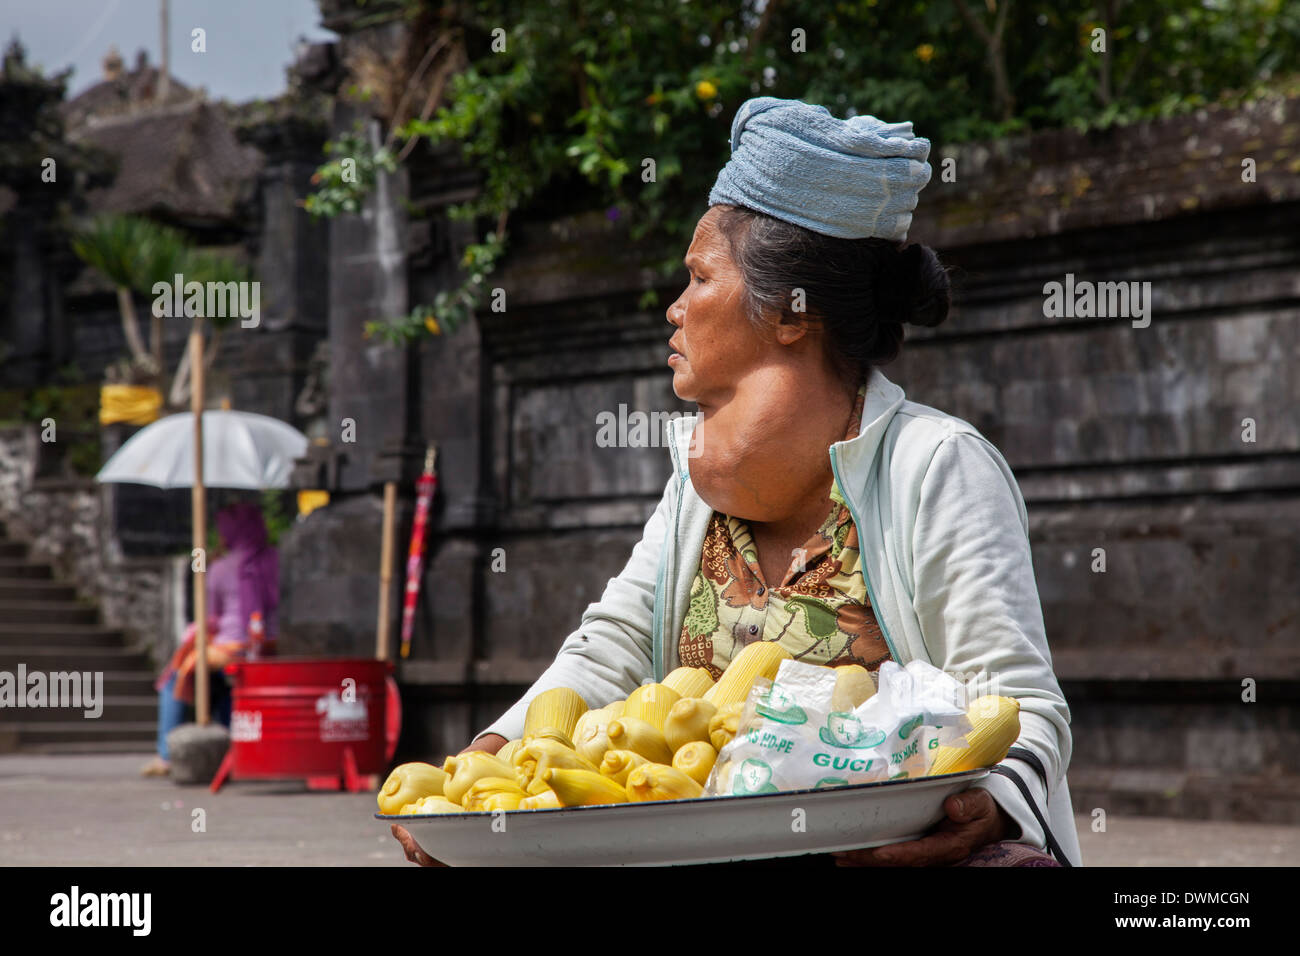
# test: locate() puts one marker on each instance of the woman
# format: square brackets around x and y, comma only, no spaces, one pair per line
[245,580]
[809,481]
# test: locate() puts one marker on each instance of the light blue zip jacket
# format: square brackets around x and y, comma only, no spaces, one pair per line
[944,543]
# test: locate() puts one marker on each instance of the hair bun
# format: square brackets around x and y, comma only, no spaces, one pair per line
[927,289]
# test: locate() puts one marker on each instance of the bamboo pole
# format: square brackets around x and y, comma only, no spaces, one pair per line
[386,570]
[198,502]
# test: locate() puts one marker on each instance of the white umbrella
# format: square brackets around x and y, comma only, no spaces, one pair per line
[240,450]
[233,450]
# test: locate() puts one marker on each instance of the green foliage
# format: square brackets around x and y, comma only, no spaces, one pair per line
[134,253]
[279,517]
[583,93]
[343,183]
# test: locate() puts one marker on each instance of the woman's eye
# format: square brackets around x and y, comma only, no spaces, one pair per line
[698,278]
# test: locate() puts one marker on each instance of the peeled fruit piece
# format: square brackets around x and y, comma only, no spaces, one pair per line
[853,688]
[655,781]
[593,742]
[546,800]
[688,721]
[465,769]
[507,752]
[724,724]
[695,760]
[493,793]
[651,703]
[408,783]
[689,681]
[630,733]
[581,788]
[436,804]
[545,754]
[559,707]
[550,733]
[995,726]
[617,764]
[760,659]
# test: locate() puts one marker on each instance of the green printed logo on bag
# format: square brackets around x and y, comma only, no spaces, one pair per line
[778,705]
[754,776]
[845,730]
[908,727]
[825,782]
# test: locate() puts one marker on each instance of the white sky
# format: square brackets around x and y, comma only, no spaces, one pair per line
[249,42]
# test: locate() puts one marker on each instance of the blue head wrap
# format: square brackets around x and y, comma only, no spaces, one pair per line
[849,178]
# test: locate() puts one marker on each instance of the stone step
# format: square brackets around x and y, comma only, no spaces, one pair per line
[115,709]
[71,658]
[34,589]
[130,684]
[22,568]
[28,735]
[12,549]
[140,746]
[46,612]
[58,636]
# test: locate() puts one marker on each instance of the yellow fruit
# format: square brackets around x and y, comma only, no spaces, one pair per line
[558,707]
[725,724]
[695,760]
[656,781]
[689,681]
[853,688]
[630,733]
[617,764]
[434,804]
[493,793]
[687,721]
[591,738]
[760,659]
[546,800]
[464,769]
[507,752]
[581,788]
[408,783]
[540,754]
[550,733]
[995,726]
[599,715]
[651,703]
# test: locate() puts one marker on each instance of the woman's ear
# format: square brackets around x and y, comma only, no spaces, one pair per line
[790,329]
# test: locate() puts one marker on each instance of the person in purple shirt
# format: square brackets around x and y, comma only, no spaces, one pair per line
[243,581]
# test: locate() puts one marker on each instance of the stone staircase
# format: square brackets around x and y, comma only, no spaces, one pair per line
[44,626]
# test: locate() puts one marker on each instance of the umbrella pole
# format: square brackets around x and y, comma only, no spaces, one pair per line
[198,502]
[386,569]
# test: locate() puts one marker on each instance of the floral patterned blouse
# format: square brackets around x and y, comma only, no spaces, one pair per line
[819,611]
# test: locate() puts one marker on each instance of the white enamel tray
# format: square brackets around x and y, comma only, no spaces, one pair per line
[707,830]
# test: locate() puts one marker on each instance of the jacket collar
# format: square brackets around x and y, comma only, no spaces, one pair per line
[882,402]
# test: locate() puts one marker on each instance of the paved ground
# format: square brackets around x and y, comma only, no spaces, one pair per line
[96,811]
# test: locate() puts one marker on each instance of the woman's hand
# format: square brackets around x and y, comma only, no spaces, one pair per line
[974,820]
[490,743]
[414,852]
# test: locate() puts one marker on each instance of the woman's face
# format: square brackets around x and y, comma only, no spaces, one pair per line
[715,346]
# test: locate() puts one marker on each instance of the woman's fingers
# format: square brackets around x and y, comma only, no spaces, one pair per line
[414,852]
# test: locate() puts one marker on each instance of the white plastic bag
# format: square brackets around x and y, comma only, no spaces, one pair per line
[790,738]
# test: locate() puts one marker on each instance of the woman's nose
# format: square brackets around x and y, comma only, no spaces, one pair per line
[676,312]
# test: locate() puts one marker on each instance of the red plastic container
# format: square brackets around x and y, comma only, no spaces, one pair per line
[319,719]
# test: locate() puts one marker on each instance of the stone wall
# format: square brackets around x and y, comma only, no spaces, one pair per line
[64,523]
